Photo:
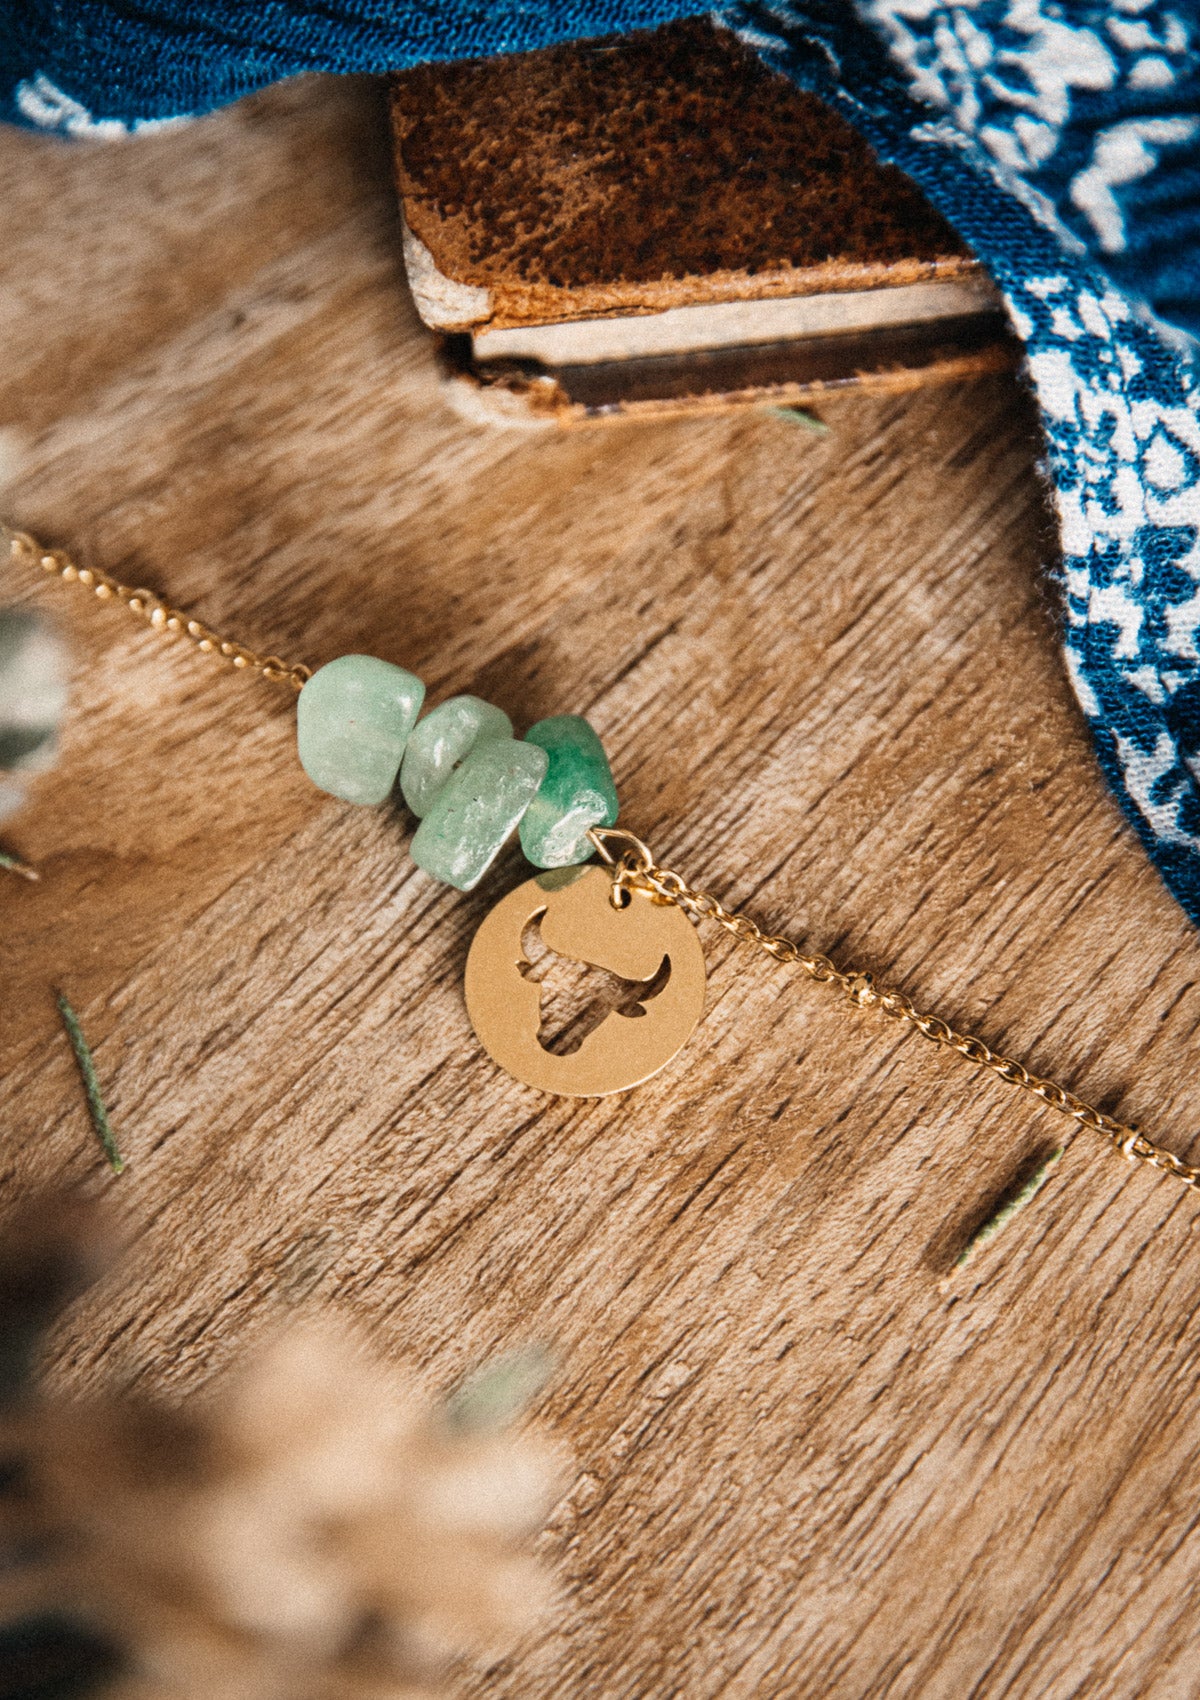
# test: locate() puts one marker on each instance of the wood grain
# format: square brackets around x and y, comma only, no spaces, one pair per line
[827,673]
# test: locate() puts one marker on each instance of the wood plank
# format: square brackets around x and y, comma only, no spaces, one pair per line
[827,673]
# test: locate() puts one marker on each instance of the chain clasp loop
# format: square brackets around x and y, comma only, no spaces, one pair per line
[632,866]
[636,855]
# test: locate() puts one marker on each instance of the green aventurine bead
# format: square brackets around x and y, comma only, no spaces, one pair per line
[577,792]
[352,723]
[445,737]
[476,810]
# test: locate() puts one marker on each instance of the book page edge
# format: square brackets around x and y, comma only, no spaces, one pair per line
[443,303]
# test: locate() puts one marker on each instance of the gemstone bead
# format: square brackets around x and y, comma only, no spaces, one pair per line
[577,792]
[445,737]
[353,720]
[477,809]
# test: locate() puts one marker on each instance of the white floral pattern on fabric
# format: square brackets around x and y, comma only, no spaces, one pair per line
[1126,460]
[1078,105]
[1123,154]
[42,104]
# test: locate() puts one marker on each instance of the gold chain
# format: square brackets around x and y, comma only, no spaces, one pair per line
[153,610]
[634,869]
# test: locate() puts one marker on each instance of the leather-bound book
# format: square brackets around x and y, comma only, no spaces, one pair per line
[657,222]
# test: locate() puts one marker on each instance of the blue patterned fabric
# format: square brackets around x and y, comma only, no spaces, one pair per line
[1061,137]
[107,66]
[1065,162]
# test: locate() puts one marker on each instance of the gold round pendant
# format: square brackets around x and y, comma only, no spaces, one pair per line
[640,942]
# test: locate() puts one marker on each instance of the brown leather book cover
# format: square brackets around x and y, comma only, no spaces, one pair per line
[656,171]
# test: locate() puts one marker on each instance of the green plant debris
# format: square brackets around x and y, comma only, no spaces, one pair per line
[801,416]
[91,1086]
[497,1393]
[1027,1191]
[14,865]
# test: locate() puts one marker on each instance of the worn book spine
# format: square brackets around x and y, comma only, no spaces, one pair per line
[662,170]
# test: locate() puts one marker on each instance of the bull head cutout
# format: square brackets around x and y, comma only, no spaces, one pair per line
[650,946]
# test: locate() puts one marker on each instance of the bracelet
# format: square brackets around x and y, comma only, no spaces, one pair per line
[472,784]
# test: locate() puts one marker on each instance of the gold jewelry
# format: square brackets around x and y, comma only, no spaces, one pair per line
[607,922]
[634,869]
[616,917]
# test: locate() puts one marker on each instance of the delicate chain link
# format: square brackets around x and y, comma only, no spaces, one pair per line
[633,868]
[153,610]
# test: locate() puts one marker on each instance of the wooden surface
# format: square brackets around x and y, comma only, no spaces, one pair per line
[806,1463]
